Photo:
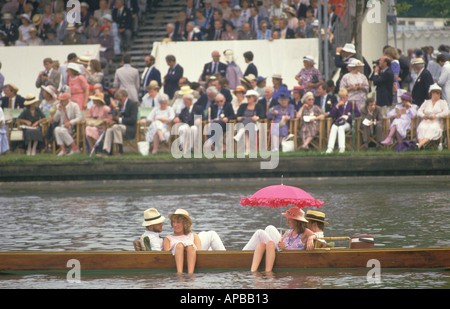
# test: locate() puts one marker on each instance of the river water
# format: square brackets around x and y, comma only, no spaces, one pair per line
[401,212]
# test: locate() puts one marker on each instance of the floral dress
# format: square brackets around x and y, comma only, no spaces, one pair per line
[309,76]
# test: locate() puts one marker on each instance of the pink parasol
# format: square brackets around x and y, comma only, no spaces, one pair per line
[280,196]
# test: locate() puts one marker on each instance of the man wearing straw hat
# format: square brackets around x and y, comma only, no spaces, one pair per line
[316,223]
[11,98]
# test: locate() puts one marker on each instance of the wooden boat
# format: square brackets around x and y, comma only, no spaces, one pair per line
[318,258]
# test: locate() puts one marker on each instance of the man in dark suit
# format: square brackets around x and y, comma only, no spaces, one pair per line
[191,34]
[246,33]
[383,78]
[324,100]
[267,102]
[214,67]
[215,32]
[11,30]
[125,123]
[150,73]
[251,67]
[173,76]
[300,8]
[122,16]
[221,113]
[423,82]
[206,101]
[285,32]
[11,98]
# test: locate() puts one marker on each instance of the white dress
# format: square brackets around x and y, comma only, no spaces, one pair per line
[403,123]
[431,129]
[156,125]
[4,144]
[444,81]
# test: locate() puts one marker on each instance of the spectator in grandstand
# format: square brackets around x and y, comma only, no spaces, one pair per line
[67,116]
[48,103]
[310,115]
[60,26]
[245,9]
[102,11]
[192,33]
[150,72]
[127,77]
[150,99]
[96,118]
[309,77]
[125,123]
[106,41]
[444,78]
[189,10]
[342,119]
[11,30]
[292,20]
[123,17]
[230,33]
[254,20]
[277,12]
[246,33]
[114,32]
[264,33]
[173,76]
[356,83]
[431,112]
[79,87]
[34,40]
[400,119]
[392,54]
[47,77]
[92,31]
[238,98]
[284,30]
[215,32]
[341,60]
[383,78]
[180,25]
[304,30]
[72,37]
[159,119]
[12,99]
[201,23]
[24,30]
[278,86]
[281,114]
[227,12]
[94,74]
[237,20]
[324,99]
[371,123]
[51,38]
[423,82]
[296,98]
[32,117]
[267,102]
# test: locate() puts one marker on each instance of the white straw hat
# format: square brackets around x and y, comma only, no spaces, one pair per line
[151,217]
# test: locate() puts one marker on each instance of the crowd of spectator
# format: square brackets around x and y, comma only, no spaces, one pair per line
[412,84]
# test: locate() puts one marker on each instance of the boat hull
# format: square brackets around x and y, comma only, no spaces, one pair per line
[340,258]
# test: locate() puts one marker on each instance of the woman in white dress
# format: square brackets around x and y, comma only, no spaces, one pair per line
[4,144]
[431,111]
[159,119]
[400,118]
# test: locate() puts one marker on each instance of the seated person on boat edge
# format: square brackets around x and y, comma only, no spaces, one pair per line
[267,242]
[152,241]
[316,223]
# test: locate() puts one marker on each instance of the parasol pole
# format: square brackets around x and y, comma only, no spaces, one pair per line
[353,125]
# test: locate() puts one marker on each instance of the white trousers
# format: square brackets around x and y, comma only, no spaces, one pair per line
[270,233]
[63,136]
[339,132]
[114,135]
[211,241]
[188,136]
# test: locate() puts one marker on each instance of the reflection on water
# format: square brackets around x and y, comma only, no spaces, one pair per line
[83,216]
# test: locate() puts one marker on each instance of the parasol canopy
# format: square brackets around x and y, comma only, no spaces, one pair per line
[280,196]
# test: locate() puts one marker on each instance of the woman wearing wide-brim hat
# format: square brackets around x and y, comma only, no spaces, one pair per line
[32,117]
[269,241]
[431,111]
[182,240]
[96,117]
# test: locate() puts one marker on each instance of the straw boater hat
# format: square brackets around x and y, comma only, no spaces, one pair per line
[51,90]
[7,16]
[277,76]
[296,214]
[239,89]
[313,215]
[30,99]
[181,212]
[71,26]
[37,19]
[151,217]
[185,90]
[98,97]
[14,87]
[417,61]
[83,60]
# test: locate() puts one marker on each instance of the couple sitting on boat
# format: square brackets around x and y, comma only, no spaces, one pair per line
[301,235]
[182,239]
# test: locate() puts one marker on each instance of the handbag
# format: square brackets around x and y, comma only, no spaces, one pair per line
[143,148]
[16,135]
[340,121]
[287,143]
